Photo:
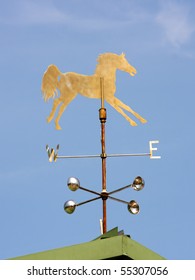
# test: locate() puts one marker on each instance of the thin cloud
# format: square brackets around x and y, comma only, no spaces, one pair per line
[33,12]
[167,25]
[42,12]
[175,23]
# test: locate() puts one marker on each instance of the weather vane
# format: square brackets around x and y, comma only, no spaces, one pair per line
[99,85]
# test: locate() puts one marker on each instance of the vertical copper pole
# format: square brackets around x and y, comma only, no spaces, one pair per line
[102,117]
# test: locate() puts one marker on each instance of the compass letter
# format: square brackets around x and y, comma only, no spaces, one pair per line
[153,149]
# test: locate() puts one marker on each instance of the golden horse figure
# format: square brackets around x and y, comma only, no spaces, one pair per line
[70,84]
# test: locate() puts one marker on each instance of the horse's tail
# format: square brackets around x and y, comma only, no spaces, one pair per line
[50,82]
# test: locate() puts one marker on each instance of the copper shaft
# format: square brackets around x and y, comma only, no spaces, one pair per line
[103,176]
[102,117]
[104,217]
[103,156]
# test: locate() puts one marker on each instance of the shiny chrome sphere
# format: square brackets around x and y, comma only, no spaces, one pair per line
[138,183]
[73,183]
[69,206]
[133,207]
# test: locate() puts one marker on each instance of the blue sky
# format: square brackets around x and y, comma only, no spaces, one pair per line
[158,38]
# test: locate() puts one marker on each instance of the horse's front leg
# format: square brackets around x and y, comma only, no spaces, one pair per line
[127,108]
[56,103]
[112,102]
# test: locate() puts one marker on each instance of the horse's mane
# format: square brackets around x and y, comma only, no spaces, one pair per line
[50,82]
[105,57]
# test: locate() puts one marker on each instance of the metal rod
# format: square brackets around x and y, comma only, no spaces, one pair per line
[90,200]
[104,216]
[117,199]
[102,91]
[79,156]
[107,155]
[103,156]
[102,117]
[129,155]
[87,190]
[121,189]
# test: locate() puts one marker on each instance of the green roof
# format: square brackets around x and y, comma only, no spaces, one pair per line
[107,246]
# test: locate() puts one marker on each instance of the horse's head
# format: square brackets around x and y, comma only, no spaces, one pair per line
[125,66]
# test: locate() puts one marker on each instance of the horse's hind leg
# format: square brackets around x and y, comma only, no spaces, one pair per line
[116,107]
[127,108]
[56,103]
[69,97]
